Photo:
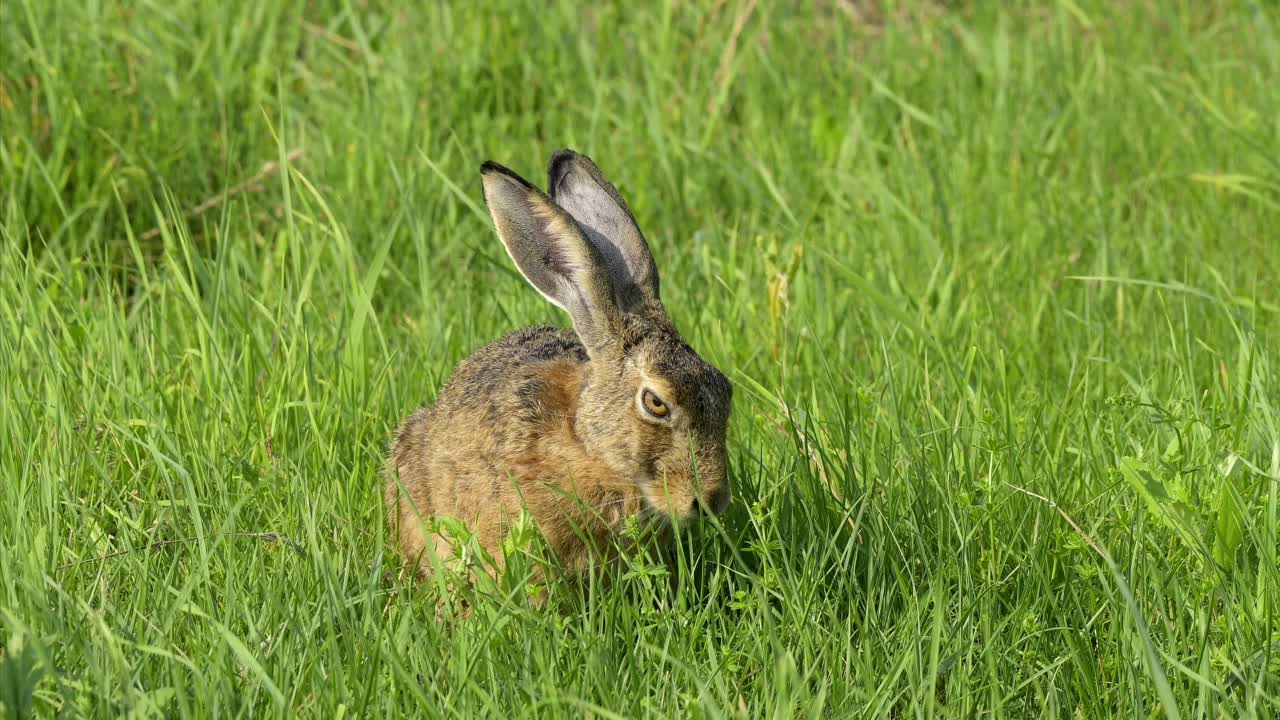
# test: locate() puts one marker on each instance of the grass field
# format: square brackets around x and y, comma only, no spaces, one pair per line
[997,287]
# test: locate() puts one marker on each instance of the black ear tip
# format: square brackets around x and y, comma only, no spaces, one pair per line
[489,167]
[562,155]
[559,160]
[560,164]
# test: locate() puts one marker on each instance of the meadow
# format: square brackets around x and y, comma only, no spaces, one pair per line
[996,285]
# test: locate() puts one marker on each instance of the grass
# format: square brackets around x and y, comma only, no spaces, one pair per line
[997,287]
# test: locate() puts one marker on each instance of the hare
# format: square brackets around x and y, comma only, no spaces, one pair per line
[587,429]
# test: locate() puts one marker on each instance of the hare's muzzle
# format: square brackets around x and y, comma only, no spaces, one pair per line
[691,480]
[711,492]
[714,502]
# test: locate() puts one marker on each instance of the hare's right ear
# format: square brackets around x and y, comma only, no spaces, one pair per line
[552,252]
[577,185]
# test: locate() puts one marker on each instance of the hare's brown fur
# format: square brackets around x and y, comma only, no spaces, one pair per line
[547,420]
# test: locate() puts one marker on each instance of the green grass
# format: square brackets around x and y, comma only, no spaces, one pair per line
[998,288]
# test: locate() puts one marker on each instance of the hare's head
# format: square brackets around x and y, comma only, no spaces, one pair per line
[651,408]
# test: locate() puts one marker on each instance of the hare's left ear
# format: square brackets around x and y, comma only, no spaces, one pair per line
[553,253]
[578,186]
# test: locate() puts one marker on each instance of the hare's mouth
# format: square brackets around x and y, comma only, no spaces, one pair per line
[671,507]
[618,508]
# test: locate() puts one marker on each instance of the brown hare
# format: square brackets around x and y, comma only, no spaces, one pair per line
[618,419]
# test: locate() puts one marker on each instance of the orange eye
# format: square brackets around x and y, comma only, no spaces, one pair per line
[654,405]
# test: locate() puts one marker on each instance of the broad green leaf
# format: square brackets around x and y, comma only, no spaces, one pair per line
[1228,520]
[1173,513]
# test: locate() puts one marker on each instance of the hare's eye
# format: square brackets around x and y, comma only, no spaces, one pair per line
[654,405]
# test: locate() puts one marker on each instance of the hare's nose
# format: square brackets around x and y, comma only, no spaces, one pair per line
[714,504]
[720,499]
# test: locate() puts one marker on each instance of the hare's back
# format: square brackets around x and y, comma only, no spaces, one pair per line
[503,391]
[495,398]
[497,370]
[531,345]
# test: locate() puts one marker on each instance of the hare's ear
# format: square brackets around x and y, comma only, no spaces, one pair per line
[578,186]
[552,252]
